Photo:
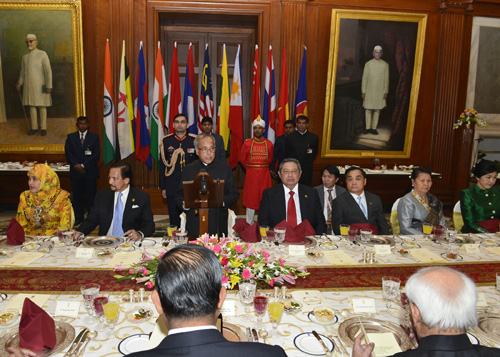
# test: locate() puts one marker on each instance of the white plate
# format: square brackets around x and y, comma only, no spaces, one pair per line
[133,343]
[146,242]
[473,339]
[311,317]
[307,343]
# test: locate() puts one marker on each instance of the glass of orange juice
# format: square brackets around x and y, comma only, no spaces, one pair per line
[344,230]
[427,228]
[275,307]
[263,231]
[111,312]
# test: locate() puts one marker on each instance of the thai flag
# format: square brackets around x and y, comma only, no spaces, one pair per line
[188,101]
[206,95]
[270,99]
[301,98]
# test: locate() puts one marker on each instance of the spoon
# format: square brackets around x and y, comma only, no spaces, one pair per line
[263,334]
[90,336]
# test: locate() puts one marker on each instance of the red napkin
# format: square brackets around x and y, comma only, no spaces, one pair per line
[15,232]
[365,226]
[37,330]
[297,234]
[491,225]
[248,233]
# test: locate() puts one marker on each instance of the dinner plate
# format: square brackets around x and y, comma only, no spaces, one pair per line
[457,259]
[349,328]
[102,242]
[307,343]
[490,242]
[375,240]
[233,333]
[407,238]
[311,317]
[3,241]
[65,334]
[489,326]
[133,343]
[308,242]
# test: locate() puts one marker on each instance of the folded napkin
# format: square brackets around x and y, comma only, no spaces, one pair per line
[365,226]
[491,225]
[297,234]
[248,233]
[37,330]
[15,232]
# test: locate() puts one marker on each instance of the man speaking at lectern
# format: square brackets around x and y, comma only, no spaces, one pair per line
[205,149]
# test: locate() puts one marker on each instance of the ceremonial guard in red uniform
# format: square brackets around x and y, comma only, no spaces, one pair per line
[256,156]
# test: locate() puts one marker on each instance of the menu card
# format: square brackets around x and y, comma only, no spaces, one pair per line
[296,250]
[495,250]
[425,255]
[471,248]
[363,305]
[383,249]
[125,258]
[338,257]
[22,259]
[385,344]
[309,298]
[18,301]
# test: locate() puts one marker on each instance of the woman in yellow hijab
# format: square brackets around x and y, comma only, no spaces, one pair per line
[45,206]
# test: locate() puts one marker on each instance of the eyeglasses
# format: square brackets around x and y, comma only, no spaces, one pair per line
[291,172]
[30,41]
[210,149]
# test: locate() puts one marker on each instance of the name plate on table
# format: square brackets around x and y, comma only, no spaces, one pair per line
[338,257]
[383,249]
[425,255]
[296,250]
[22,259]
[363,305]
[18,301]
[67,308]
[125,258]
[84,253]
[471,248]
[481,300]
[229,308]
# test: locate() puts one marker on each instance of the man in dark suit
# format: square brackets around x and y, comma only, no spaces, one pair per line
[121,209]
[82,152]
[190,310]
[279,153]
[358,206]
[442,305]
[206,127]
[205,149]
[329,191]
[276,201]
[303,146]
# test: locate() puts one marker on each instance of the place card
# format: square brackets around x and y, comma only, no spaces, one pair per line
[494,250]
[471,248]
[297,250]
[18,301]
[385,344]
[338,257]
[425,255]
[125,258]
[481,300]
[22,259]
[383,249]
[67,308]
[229,308]
[363,305]
[87,253]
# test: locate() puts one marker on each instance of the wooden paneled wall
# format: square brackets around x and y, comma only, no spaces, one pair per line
[294,24]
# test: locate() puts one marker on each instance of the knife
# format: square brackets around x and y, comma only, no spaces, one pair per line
[77,349]
[255,336]
[75,343]
[315,334]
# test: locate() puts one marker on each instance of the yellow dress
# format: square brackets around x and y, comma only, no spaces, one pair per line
[43,212]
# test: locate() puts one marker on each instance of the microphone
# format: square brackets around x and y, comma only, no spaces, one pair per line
[203,182]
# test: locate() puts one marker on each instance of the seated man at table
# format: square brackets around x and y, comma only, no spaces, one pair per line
[328,191]
[121,210]
[188,295]
[442,308]
[358,206]
[291,201]
[205,149]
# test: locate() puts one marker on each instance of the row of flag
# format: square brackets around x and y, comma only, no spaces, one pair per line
[137,128]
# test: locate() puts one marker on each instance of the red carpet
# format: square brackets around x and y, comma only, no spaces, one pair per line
[358,277]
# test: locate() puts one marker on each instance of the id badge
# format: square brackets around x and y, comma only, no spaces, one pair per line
[88,152]
[309,151]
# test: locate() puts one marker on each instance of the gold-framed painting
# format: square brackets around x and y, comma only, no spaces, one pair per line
[374,72]
[41,74]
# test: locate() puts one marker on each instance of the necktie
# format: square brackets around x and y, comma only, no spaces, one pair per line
[82,139]
[363,209]
[291,214]
[118,217]
[329,203]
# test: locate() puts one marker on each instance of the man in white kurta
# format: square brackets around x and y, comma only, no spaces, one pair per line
[374,89]
[36,79]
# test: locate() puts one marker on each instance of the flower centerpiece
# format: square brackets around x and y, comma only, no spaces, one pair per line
[239,261]
[469,117]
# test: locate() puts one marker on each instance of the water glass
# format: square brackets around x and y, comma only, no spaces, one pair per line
[89,293]
[181,237]
[390,287]
[365,237]
[451,234]
[279,235]
[270,237]
[247,293]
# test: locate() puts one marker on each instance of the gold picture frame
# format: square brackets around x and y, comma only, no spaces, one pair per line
[57,25]
[353,37]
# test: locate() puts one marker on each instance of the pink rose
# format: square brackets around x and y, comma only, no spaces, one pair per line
[225,279]
[144,272]
[271,282]
[150,284]
[217,248]
[246,274]
[224,261]
[251,263]
[266,260]
[281,262]
[265,254]
[212,240]
[131,271]
[238,248]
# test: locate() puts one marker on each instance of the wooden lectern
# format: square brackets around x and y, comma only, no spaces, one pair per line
[203,193]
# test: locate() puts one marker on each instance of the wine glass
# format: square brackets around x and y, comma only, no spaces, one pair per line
[276,308]
[260,305]
[390,287]
[352,234]
[247,293]
[451,235]
[279,236]
[111,312]
[89,293]
[438,232]
[99,302]
[270,237]
[365,237]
